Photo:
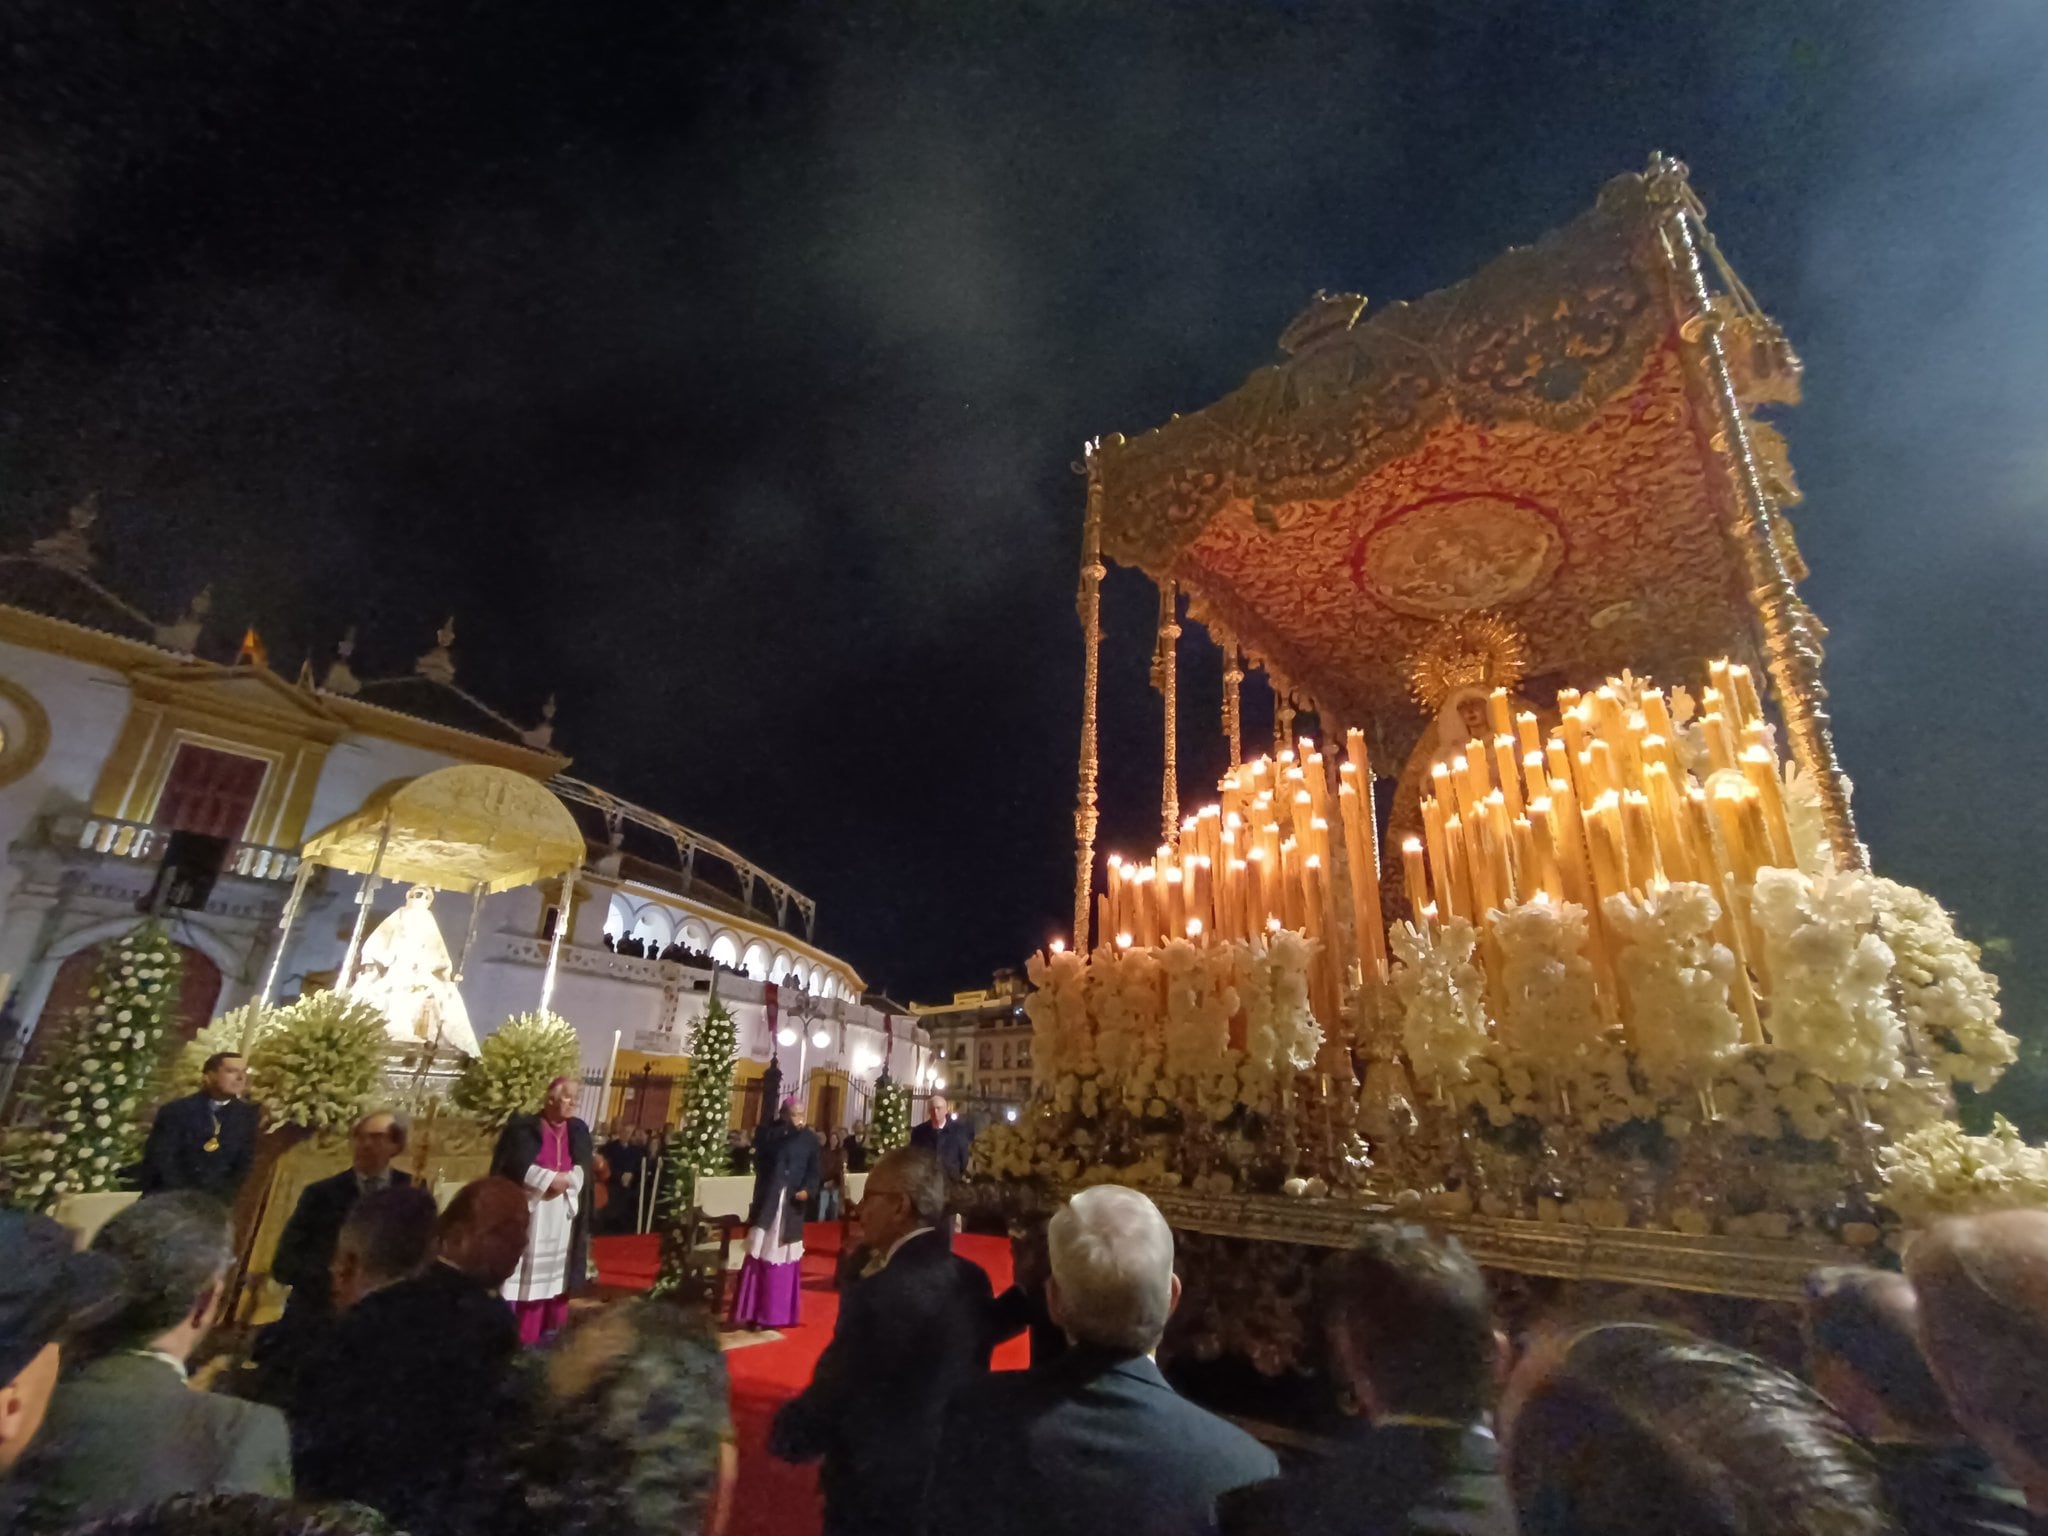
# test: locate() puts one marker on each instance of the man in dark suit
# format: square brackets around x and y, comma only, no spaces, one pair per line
[305,1251]
[206,1140]
[401,1407]
[1411,1335]
[1095,1443]
[943,1135]
[124,1429]
[909,1337]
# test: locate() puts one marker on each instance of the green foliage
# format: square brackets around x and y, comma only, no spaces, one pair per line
[697,1150]
[238,1030]
[84,1106]
[319,1060]
[518,1061]
[700,1142]
[890,1127]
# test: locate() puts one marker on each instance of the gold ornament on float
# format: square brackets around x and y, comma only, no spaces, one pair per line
[1470,650]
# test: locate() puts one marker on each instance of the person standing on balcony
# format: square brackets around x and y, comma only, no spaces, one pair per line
[549,1155]
[206,1140]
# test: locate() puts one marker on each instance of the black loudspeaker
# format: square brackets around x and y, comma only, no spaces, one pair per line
[192,862]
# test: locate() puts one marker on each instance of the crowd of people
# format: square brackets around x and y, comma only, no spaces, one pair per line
[429,1376]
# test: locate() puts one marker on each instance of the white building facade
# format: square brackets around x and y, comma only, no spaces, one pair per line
[115,737]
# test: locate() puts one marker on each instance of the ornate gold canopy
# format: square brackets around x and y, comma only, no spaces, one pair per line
[1533,443]
[455,829]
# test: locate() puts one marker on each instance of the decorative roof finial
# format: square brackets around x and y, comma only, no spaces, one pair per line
[70,547]
[183,636]
[340,680]
[437,666]
[253,652]
[542,735]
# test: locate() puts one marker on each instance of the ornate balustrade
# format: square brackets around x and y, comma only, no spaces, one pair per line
[142,843]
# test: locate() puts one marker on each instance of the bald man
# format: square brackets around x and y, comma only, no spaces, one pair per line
[548,1154]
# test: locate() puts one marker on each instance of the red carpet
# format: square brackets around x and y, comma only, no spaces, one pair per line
[775,1498]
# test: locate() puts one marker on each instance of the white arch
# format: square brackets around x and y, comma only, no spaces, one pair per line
[781,966]
[725,950]
[618,917]
[755,961]
[35,992]
[696,934]
[652,925]
[800,973]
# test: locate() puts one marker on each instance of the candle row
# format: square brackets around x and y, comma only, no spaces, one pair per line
[1284,847]
[1605,805]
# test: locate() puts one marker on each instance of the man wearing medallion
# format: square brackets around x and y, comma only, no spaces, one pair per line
[206,1140]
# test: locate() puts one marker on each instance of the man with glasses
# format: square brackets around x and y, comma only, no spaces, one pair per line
[910,1336]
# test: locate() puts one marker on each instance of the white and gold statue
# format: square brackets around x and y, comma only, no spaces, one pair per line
[406,972]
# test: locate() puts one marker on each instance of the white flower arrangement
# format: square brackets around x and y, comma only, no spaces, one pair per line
[1442,994]
[1549,1012]
[319,1064]
[1939,1170]
[1677,979]
[1945,995]
[514,1065]
[1830,975]
[87,1100]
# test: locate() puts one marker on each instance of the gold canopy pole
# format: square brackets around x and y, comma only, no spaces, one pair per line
[1166,678]
[1790,647]
[1233,699]
[363,899]
[285,920]
[1089,601]
[563,918]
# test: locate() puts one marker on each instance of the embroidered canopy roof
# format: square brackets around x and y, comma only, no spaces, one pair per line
[456,828]
[1536,442]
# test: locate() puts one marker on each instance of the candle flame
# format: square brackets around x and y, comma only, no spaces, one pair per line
[1272,925]
[1411,845]
[1194,927]
[1058,946]
[1123,941]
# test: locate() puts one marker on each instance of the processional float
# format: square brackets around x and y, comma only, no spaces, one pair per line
[1556,930]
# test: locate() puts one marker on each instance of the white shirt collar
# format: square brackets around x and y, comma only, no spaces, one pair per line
[906,1237]
[168,1359]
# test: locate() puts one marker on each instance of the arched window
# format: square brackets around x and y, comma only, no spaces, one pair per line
[618,918]
[651,927]
[726,951]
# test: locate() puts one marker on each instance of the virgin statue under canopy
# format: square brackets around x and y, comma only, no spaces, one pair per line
[406,973]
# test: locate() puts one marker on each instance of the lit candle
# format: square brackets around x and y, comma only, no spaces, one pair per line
[1557,759]
[1115,882]
[1528,879]
[1103,926]
[1535,777]
[1760,768]
[1505,770]
[1573,726]
[1549,873]
[1528,735]
[1674,849]
[1445,893]
[1413,878]
[1461,784]
[1748,706]
[1458,877]
[1720,740]
[1242,925]
[1365,861]
[1123,941]
[1499,714]
[1644,867]
[1730,927]
[1725,793]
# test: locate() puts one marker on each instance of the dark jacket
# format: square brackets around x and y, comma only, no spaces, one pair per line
[402,1407]
[125,1430]
[175,1156]
[305,1250]
[1094,1444]
[518,1145]
[784,1164]
[909,1337]
[950,1144]
[856,1152]
[1948,1490]
[1397,1480]
[1023,1309]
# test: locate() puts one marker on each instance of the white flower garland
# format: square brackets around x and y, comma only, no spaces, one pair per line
[1830,976]
[1443,1012]
[319,1066]
[1549,1011]
[1946,996]
[1938,1170]
[1677,979]
[90,1092]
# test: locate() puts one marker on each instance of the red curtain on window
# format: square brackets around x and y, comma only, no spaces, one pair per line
[210,792]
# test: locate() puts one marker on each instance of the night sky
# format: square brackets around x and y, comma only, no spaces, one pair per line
[721,367]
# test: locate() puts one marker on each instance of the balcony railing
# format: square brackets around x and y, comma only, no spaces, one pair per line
[143,843]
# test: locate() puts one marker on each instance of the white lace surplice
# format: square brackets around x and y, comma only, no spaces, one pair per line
[544,1273]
